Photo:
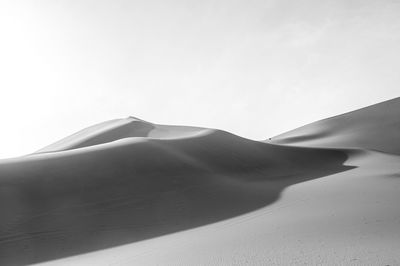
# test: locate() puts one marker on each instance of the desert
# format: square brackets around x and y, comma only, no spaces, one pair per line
[130,192]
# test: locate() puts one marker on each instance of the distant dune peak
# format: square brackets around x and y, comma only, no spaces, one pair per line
[134,118]
[117,129]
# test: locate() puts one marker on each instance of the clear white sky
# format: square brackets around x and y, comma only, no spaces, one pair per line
[256,68]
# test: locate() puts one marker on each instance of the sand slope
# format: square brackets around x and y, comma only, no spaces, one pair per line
[376,127]
[129,192]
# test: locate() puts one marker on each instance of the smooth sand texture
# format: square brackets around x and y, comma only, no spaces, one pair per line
[128,192]
[376,127]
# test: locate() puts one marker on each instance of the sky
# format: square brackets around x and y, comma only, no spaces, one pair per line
[256,68]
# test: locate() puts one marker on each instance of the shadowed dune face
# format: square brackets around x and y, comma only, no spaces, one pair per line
[59,204]
[376,127]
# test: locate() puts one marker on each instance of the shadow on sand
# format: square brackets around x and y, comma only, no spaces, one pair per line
[54,206]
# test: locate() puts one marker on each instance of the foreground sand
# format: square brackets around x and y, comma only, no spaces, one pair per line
[128,192]
[349,218]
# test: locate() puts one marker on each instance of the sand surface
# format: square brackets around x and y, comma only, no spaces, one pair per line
[129,192]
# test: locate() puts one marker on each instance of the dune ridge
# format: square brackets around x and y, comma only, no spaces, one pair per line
[113,130]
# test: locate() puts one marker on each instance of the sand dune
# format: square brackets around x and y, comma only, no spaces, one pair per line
[130,192]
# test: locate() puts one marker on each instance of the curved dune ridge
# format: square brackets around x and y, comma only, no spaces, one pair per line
[376,127]
[127,180]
